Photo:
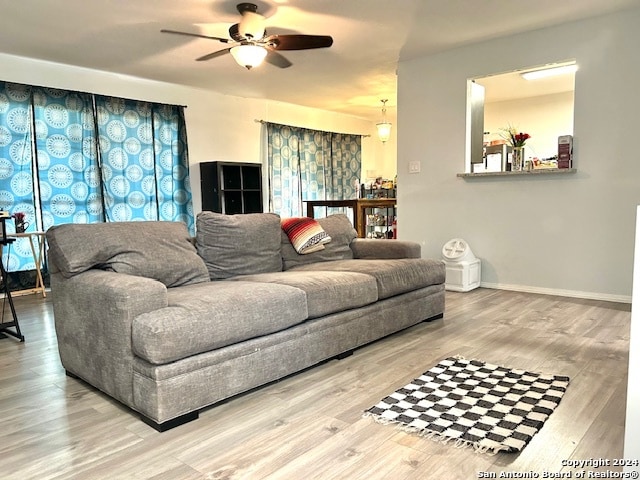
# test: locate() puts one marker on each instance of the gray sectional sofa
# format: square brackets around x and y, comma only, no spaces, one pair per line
[168,324]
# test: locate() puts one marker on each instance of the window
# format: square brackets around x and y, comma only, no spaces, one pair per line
[542,107]
[73,157]
[309,164]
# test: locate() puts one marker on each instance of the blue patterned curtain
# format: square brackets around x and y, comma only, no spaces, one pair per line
[68,174]
[309,164]
[343,167]
[144,161]
[96,159]
[172,164]
[16,169]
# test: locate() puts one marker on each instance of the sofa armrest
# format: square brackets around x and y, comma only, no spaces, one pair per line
[374,248]
[93,314]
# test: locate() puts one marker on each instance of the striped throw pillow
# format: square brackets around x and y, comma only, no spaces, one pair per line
[305,234]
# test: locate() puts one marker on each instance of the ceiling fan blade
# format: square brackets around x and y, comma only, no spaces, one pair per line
[274,58]
[298,42]
[175,32]
[211,55]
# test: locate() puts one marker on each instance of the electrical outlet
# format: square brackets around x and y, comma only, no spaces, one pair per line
[414,167]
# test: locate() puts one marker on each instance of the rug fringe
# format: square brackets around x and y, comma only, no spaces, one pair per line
[436,436]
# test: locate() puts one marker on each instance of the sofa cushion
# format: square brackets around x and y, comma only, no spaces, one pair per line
[393,276]
[374,249]
[239,244]
[158,250]
[327,292]
[339,228]
[212,315]
[305,234]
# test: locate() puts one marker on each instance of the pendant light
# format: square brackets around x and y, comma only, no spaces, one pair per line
[384,127]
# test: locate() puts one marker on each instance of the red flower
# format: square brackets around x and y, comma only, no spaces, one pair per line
[520,139]
[515,138]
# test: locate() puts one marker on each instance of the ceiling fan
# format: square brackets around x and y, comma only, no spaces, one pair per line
[250,44]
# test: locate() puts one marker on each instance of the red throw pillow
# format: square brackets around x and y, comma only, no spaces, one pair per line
[305,234]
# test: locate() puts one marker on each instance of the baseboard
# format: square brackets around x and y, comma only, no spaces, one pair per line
[607,297]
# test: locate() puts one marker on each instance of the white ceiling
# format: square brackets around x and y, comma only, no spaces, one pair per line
[511,85]
[370,37]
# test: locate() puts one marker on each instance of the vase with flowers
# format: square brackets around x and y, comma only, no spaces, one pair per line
[19,219]
[517,141]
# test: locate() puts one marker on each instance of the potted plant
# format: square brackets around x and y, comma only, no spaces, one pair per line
[517,140]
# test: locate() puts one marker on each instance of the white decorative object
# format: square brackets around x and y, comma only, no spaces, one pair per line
[462,266]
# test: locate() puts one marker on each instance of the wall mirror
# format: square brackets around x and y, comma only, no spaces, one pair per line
[541,106]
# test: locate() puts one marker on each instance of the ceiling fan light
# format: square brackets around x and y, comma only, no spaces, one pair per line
[251,26]
[249,56]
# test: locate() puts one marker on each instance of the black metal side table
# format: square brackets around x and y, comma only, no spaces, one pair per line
[13,323]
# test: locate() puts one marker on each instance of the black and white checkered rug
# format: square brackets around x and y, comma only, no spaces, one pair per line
[473,403]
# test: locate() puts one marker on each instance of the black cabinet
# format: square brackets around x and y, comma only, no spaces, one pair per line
[231,187]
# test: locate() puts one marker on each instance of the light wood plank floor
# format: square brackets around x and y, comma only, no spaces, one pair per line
[310,425]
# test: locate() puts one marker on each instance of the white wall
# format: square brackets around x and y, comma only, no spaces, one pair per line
[544,117]
[219,127]
[565,234]
[632,423]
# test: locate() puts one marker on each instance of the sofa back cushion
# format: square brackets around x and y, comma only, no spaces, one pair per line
[342,233]
[239,244]
[162,251]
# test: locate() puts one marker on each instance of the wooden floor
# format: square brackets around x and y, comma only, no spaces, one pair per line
[310,425]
